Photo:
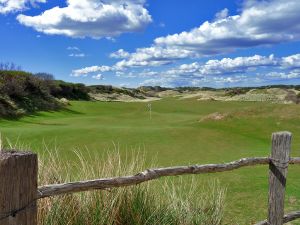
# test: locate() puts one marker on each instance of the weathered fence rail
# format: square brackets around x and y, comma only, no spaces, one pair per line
[19,191]
[150,174]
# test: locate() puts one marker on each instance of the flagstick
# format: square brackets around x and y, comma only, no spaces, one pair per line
[150,110]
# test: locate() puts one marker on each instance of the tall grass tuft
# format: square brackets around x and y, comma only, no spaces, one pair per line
[170,201]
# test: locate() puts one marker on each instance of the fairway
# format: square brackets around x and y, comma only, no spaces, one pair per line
[180,132]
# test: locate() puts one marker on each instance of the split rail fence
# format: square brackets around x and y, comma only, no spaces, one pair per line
[19,191]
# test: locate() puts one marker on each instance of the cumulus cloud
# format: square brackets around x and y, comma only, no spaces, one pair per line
[225,66]
[212,81]
[222,14]
[154,56]
[255,69]
[92,69]
[120,54]
[291,61]
[91,18]
[9,6]
[284,75]
[260,23]
[213,67]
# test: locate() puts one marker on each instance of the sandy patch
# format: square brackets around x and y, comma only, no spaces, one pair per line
[121,98]
[214,116]
[168,93]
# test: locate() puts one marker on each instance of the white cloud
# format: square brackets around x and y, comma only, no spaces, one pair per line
[130,74]
[211,81]
[120,73]
[284,75]
[154,56]
[73,48]
[92,69]
[225,66]
[255,69]
[77,55]
[8,6]
[260,23]
[75,52]
[98,77]
[237,65]
[222,14]
[148,73]
[225,70]
[91,18]
[120,54]
[291,61]
[238,71]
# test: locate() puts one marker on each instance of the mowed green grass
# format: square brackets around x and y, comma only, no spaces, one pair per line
[175,136]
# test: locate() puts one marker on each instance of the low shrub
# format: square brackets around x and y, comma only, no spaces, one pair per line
[70,91]
[236,91]
[22,93]
[108,89]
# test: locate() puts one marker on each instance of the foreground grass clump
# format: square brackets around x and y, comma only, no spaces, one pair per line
[169,201]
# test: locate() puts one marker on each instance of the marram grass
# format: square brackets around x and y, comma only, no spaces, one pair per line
[170,201]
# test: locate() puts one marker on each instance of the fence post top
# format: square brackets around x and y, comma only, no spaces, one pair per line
[282,133]
[8,154]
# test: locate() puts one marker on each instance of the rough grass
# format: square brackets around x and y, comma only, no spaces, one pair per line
[155,203]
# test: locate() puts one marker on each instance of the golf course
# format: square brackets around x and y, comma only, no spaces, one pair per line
[179,132]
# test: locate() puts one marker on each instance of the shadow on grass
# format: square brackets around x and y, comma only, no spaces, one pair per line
[39,114]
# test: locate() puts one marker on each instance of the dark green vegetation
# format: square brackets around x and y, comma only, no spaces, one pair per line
[176,135]
[108,89]
[24,93]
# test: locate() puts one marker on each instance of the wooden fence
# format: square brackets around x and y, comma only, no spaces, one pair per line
[19,191]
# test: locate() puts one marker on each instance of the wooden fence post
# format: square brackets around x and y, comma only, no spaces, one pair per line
[281,147]
[18,188]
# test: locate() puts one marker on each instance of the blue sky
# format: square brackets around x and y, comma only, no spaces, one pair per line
[149,42]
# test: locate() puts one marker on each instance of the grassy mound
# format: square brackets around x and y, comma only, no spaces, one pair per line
[22,93]
[25,93]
